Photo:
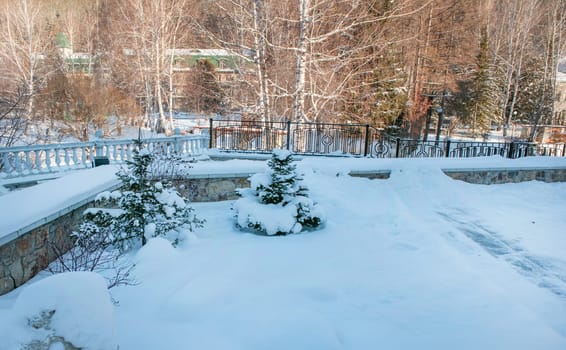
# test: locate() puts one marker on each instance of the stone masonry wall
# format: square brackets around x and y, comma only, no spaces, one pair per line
[372,175]
[30,253]
[23,257]
[500,176]
[211,189]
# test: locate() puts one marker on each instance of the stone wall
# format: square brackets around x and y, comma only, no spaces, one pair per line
[212,189]
[500,176]
[486,176]
[372,175]
[23,257]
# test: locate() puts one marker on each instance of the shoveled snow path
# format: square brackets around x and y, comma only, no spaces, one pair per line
[468,222]
[464,217]
[387,272]
[544,272]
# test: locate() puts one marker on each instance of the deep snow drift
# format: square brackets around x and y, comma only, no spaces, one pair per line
[418,261]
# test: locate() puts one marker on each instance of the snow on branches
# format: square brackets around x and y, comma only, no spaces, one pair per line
[276,203]
[144,208]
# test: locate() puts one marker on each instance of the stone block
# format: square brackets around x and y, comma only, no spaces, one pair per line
[24,244]
[242,183]
[40,237]
[35,262]
[17,273]
[6,285]
[7,253]
[219,190]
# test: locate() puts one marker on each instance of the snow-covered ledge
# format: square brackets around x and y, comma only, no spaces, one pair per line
[32,207]
[35,217]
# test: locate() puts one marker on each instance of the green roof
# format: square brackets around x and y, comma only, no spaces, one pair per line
[62,41]
[191,61]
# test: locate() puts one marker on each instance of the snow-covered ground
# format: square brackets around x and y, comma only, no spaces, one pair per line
[418,261]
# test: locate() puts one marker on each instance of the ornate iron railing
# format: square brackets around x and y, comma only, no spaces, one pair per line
[248,136]
[44,159]
[301,138]
[358,140]
[304,138]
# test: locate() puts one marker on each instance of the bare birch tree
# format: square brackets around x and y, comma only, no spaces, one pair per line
[552,28]
[241,27]
[149,33]
[512,26]
[23,40]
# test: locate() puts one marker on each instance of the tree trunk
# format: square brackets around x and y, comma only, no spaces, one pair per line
[301,63]
[260,43]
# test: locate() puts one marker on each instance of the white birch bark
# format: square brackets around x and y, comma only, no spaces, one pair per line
[301,62]
[259,33]
[513,37]
[22,44]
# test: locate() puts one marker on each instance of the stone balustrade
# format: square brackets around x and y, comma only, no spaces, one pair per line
[52,158]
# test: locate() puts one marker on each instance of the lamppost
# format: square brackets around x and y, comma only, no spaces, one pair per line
[428,116]
[440,112]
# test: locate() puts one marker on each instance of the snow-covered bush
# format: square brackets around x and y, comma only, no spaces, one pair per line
[143,208]
[92,251]
[66,311]
[276,203]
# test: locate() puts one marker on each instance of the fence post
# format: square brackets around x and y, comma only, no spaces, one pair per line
[210,134]
[397,143]
[447,150]
[97,144]
[511,150]
[366,145]
[288,135]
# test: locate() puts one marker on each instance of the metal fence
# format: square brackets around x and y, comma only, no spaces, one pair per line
[301,138]
[358,140]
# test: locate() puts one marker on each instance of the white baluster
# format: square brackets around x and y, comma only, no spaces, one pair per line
[178,145]
[6,166]
[57,158]
[198,146]
[83,157]
[18,163]
[48,159]
[190,146]
[184,147]
[38,160]
[9,166]
[67,158]
[75,158]
[28,163]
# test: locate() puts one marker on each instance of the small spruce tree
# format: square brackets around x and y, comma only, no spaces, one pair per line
[277,203]
[285,182]
[145,208]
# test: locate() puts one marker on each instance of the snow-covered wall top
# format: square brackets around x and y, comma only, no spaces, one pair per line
[23,210]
